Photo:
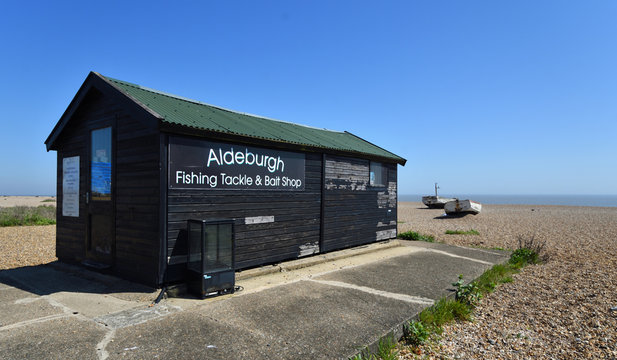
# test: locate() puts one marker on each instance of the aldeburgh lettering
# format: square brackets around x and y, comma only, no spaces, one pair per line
[208,165]
[232,157]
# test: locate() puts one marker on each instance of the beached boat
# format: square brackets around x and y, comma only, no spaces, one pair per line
[456,207]
[435,202]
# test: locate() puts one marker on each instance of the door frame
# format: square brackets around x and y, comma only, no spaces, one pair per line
[90,255]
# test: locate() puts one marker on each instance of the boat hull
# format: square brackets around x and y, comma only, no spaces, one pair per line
[462,207]
[435,202]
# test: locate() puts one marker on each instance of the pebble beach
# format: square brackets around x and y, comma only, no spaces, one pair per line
[557,310]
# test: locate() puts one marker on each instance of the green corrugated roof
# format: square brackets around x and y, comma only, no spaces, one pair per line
[181,111]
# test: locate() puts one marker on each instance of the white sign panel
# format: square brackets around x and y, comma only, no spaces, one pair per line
[70,186]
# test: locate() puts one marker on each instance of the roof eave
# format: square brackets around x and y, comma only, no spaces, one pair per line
[399,160]
[93,80]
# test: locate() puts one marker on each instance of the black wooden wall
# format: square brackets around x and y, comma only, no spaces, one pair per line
[355,212]
[136,188]
[293,233]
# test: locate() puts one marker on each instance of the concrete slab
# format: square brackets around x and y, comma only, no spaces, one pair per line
[67,291]
[93,305]
[425,274]
[304,319]
[19,306]
[68,337]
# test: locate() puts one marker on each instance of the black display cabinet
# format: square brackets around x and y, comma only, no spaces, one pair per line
[211,263]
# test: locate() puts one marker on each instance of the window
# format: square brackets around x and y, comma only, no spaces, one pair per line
[100,164]
[378,174]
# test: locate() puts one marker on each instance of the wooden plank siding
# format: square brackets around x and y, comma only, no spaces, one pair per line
[355,212]
[74,141]
[293,233]
[136,188]
[137,199]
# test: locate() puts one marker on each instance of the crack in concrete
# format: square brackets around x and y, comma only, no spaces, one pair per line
[101,350]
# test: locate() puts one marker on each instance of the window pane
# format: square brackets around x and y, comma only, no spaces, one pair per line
[100,164]
[377,174]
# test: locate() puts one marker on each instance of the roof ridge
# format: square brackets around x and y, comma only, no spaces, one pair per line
[163,93]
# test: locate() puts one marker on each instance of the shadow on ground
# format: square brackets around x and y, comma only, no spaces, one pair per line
[58,277]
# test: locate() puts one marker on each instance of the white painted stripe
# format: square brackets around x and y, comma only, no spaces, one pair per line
[458,256]
[402,297]
[33,321]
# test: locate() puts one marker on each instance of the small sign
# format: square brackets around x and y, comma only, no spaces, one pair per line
[70,186]
[208,165]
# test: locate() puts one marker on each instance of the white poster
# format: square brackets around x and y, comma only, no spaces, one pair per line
[70,186]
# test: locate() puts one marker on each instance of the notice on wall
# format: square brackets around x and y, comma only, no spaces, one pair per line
[70,186]
[207,165]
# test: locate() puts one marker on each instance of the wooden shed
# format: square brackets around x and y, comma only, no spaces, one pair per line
[134,164]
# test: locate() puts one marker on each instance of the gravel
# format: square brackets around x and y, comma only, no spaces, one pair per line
[27,246]
[558,310]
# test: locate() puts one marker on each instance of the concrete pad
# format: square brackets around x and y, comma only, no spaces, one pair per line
[304,319]
[19,306]
[64,338]
[185,336]
[74,293]
[92,305]
[424,274]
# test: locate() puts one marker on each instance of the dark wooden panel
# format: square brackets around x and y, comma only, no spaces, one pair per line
[136,194]
[293,233]
[356,213]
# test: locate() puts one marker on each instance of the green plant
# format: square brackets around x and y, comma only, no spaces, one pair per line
[442,312]
[415,333]
[521,257]
[362,356]
[468,294]
[530,251]
[49,200]
[496,275]
[412,235]
[462,232]
[386,350]
[27,215]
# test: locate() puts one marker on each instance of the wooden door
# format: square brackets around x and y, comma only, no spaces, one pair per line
[100,237]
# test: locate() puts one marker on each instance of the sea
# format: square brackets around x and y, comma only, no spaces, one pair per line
[567,200]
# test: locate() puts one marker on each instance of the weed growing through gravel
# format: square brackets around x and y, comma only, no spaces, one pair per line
[412,235]
[431,320]
[415,333]
[468,294]
[28,215]
[530,251]
[386,350]
[462,232]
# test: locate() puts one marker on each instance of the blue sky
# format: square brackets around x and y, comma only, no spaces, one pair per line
[484,97]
